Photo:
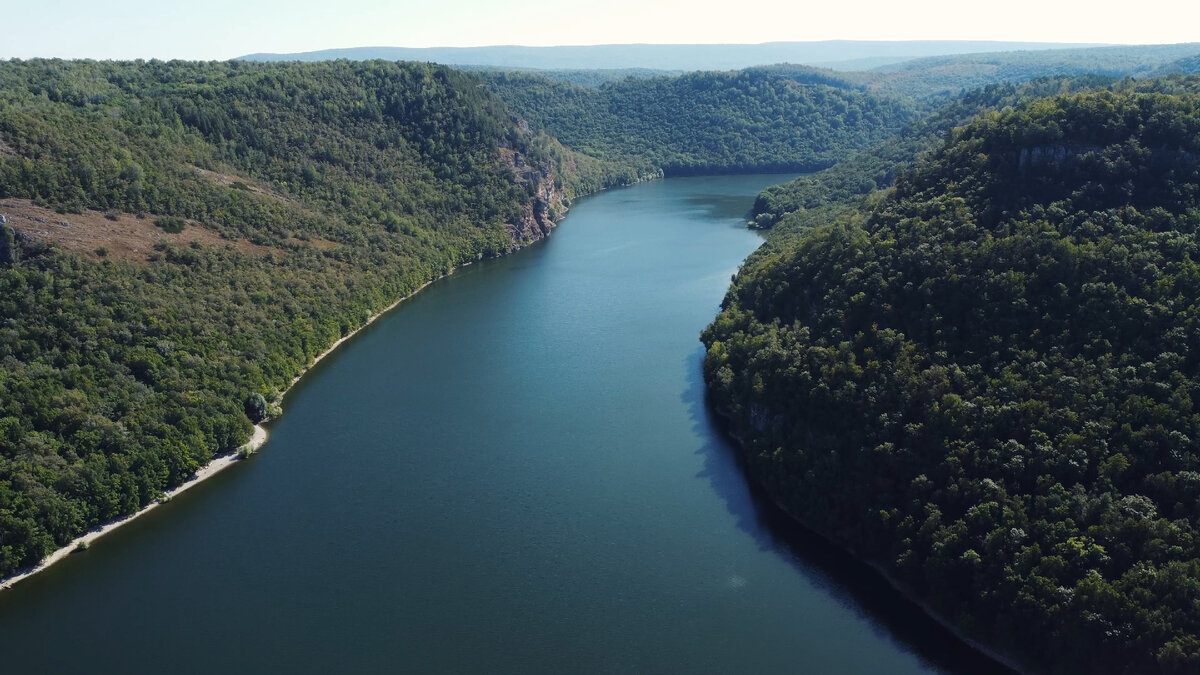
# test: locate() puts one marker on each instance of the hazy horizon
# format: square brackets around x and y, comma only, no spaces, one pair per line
[225,29]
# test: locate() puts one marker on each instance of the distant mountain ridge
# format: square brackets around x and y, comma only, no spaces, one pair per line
[948,75]
[673,57]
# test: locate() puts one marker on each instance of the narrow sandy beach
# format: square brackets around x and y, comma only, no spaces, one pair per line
[217,465]
[208,471]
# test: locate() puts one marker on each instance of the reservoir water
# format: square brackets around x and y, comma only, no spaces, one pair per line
[513,472]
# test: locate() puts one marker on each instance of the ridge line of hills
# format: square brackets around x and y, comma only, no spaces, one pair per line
[669,56]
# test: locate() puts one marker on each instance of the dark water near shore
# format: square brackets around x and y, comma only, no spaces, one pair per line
[513,472]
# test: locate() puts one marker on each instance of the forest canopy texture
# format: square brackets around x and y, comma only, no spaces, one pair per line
[303,198]
[759,119]
[273,208]
[970,353]
[987,379]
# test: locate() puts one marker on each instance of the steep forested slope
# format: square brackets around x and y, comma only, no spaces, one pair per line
[798,205]
[323,193]
[708,122]
[985,381]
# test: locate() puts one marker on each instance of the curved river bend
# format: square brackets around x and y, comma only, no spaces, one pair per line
[514,472]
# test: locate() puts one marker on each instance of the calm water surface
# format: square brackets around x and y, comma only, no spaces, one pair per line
[514,472]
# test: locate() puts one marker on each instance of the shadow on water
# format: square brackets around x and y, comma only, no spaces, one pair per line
[721,207]
[848,581]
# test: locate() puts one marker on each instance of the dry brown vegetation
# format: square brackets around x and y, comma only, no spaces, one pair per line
[238,181]
[119,235]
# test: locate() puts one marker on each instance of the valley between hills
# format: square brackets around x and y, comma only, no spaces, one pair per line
[966,350]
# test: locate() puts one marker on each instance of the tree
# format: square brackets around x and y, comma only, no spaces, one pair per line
[9,253]
[256,407]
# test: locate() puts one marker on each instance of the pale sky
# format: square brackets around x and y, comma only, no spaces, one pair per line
[223,29]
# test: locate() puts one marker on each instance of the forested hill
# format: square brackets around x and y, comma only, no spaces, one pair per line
[985,380]
[798,205]
[1187,65]
[789,119]
[183,238]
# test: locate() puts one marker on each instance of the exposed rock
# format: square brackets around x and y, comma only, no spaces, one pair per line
[545,208]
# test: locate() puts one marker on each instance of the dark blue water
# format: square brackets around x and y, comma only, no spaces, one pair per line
[514,472]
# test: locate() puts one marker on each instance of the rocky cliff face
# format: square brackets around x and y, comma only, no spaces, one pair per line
[544,209]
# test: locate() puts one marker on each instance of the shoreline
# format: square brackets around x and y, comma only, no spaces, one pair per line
[218,464]
[370,320]
[903,589]
[1004,659]
[81,543]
